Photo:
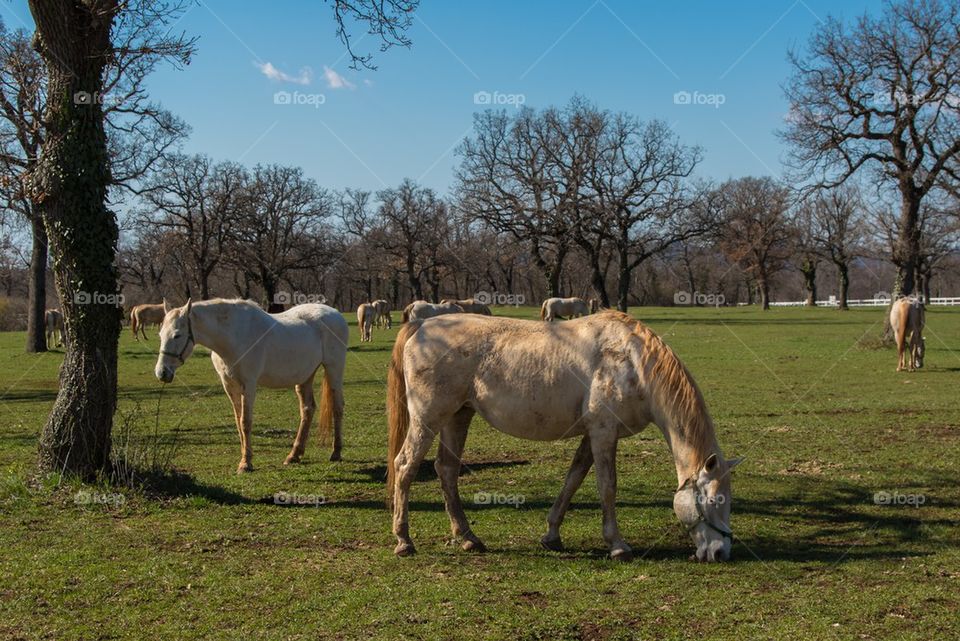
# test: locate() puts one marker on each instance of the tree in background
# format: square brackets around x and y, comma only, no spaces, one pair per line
[839,232]
[755,231]
[881,95]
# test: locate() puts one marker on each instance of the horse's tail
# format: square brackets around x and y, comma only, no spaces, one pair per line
[327,410]
[543,310]
[134,321]
[398,417]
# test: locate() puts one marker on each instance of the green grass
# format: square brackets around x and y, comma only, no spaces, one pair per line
[823,423]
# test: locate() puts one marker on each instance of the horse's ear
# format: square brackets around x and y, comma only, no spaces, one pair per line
[732,463]
[189,305]
[166,306]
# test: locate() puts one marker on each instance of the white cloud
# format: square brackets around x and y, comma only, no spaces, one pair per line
[335,80]
[304,77]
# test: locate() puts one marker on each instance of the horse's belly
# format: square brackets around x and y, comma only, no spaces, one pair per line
[533,421]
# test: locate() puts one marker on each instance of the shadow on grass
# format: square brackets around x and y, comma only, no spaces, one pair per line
[426,472]
[181,485]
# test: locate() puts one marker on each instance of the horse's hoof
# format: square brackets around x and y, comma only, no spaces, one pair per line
[291,459]
[623,555]
[473,545]
[554,545]
[405,549]
[335,456]
[243,468]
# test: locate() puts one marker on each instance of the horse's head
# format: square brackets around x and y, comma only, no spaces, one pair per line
[702,504]
[176,340]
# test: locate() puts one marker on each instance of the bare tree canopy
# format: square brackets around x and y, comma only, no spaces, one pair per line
[881,95]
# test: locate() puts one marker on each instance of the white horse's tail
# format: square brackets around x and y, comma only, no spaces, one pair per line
[543,310]
[398,416]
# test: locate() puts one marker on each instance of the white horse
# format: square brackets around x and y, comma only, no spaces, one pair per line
[600,378]
[384,320]
[53,324]
[421,310]
[251,347]
[366,314]
[553,308]
[470,306]
[147,314]
[907,317]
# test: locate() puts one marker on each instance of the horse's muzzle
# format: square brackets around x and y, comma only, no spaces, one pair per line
[164,374]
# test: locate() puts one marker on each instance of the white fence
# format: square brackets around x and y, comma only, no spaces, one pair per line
[863,302]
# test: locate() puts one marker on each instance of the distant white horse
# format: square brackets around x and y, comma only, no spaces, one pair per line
[470,306]
[143,315]
[366,314]
[907,317]
[421,310]
[561,308]
[53,323]
[601,378]
[251,347]
[384,320]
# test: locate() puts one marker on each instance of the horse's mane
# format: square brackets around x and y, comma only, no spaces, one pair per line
[674,388]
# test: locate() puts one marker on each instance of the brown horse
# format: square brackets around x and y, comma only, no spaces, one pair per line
[907,316]
[600,378]
[470,306]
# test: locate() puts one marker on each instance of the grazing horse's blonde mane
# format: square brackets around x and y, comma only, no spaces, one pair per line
[675,389]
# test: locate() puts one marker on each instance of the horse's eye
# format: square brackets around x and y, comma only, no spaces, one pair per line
[175,336]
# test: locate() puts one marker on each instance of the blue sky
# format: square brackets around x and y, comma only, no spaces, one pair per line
[404,120]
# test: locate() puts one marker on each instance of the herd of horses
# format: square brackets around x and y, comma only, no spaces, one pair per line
[600,376]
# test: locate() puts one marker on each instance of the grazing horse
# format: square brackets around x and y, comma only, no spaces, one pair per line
[907,316]
[421,310]
[250,347]
[143,315]
[366,314]
[600,378]
[53,324]
[384,320]
[563,308]
[470,306]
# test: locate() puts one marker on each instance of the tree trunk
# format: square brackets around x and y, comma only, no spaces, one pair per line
[844,272]
[37,287]
[69,188]
[907,250]
[763,289]
[809,270]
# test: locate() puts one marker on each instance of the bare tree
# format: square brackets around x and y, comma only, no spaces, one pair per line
[838,232]
[198,200]
[755,231]
[882,95]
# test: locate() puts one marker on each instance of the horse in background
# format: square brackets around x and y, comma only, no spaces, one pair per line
[600,378]
[421,310]
[53,326]
[907,316]
[470,306]
[366,315]
[250,347]
[384,319]
[594,305]
[143,315]
[554,308]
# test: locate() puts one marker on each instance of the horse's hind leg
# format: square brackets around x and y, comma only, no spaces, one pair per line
[603,443]
[248,397]
[308,407]
[453,436]
[582,461]
[415,447]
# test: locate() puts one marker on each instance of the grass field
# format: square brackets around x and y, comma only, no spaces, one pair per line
[825,425]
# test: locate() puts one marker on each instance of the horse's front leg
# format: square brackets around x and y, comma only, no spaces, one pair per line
[603,443]
[582,461]
[248,397]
